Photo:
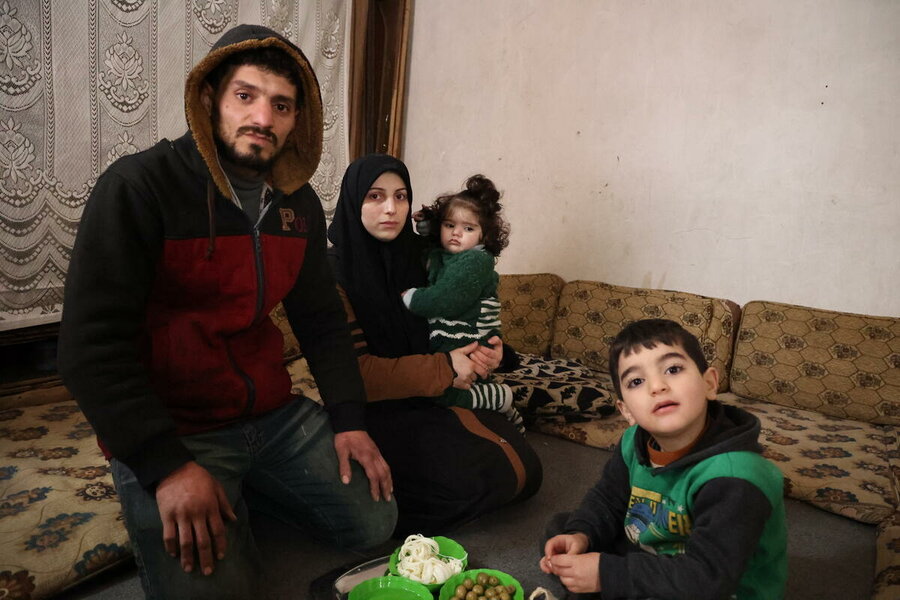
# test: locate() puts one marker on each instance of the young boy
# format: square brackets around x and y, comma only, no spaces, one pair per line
[687,507]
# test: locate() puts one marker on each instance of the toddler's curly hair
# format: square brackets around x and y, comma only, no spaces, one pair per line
[482,198]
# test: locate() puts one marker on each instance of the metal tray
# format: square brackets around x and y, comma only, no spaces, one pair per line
[376,567]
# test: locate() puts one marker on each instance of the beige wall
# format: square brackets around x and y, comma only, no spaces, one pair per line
[749,150]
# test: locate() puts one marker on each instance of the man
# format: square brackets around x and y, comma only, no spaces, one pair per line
[166,343]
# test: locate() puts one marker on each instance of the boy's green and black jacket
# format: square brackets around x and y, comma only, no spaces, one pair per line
[710,525]
[165,327]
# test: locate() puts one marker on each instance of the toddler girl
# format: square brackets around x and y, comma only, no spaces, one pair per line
[461,302]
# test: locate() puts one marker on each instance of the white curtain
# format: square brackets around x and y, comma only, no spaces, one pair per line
[85,82]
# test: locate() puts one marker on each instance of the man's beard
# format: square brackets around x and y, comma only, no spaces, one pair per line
[252,160]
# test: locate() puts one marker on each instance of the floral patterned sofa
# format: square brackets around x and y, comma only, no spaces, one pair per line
[60,520]
[824,384]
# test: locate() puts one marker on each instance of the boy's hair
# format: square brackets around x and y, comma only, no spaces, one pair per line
[483,199]
[268,59]
[648,333]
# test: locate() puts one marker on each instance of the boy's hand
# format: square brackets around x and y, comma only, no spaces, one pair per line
[579,573]
[567,543]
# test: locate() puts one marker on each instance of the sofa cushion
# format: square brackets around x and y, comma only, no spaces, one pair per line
[838,364]
[558,387]
[591,313]
[527,309]
[846,467]
[887,559]
[59,512]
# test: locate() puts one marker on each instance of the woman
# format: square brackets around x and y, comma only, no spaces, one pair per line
[449,465]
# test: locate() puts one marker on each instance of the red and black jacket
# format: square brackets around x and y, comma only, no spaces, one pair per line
[165,327]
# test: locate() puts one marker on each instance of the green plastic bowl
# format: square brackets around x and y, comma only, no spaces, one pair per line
[446,547]
[449,586]
[390,588]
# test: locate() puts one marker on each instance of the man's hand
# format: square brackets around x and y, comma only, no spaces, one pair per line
[463,366]
[360,447]
[486,358]
[191,505]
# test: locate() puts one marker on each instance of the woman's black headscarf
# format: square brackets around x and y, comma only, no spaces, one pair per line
[375,273]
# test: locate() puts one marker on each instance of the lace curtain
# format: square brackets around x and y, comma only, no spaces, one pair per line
[84,83]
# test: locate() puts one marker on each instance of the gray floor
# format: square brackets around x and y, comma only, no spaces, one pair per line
[831,557]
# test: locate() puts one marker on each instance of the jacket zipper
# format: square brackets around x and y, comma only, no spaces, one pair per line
[260,287]
[260,293]
[260,290]
[260,274]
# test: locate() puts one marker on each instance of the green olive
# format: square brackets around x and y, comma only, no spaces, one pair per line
[460,591]
[505,596]
[492,580]
[478,589]
[511,589]
[490,593]
[482,578]
[468,583]
[471,596]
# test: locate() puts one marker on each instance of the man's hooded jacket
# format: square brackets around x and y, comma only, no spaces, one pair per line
[165,328]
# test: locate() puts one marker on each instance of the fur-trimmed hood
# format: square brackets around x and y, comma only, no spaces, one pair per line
[300,155]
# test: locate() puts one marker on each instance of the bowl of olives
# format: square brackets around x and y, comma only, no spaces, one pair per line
[482,584]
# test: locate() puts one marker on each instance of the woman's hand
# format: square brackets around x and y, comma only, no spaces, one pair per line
[486,358]
[463,366]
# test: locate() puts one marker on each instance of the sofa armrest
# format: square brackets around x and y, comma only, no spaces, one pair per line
[528,306]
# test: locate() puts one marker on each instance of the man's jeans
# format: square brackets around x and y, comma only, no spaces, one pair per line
[283,463]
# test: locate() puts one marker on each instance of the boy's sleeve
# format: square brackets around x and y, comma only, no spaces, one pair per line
[601,515]
[458,288]
[729,516]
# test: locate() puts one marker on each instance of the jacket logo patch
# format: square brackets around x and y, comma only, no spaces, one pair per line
[291,222]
